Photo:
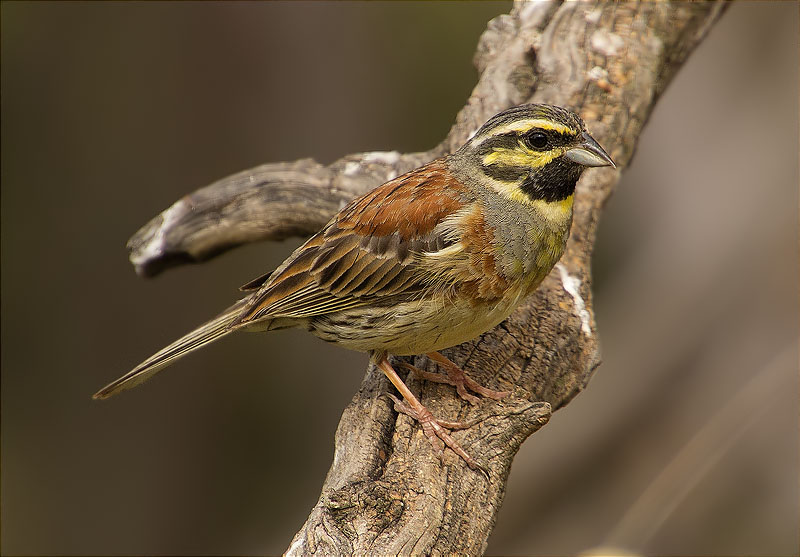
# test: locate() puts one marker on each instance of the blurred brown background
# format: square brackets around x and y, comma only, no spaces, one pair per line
[684,443]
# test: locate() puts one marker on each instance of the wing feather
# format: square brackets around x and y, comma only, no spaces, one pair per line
[371,249]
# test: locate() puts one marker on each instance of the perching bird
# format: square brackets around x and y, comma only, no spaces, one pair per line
[428,260]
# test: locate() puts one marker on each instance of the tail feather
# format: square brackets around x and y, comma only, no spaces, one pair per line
[199,337]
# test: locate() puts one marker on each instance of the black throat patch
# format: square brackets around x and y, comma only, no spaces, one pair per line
[555,181]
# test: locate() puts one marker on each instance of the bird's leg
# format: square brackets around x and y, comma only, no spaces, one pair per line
[445,379]
[456,377]
[460,377]
[435,430]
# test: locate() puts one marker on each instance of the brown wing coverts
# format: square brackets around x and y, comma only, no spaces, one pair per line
[366,251]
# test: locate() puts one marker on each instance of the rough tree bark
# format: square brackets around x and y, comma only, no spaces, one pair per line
[387,492]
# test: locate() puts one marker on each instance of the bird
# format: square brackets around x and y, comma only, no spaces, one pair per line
[428,260]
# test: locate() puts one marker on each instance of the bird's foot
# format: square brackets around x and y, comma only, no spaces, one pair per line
[437,431]
[456,377]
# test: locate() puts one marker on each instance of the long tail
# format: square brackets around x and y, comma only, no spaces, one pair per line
[206,333]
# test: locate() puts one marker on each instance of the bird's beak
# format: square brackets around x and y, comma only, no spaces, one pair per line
[589,153]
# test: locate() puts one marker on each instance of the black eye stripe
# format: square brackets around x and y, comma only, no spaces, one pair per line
[540,139]
[511,140]
[502,141]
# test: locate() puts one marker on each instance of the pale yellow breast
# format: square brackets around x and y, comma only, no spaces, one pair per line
[442,326]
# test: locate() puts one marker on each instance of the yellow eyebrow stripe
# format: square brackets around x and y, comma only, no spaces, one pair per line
[523,126]
[521,156]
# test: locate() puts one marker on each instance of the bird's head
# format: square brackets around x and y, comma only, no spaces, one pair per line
[533,151]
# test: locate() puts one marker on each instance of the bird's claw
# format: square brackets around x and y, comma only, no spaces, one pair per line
[437,432]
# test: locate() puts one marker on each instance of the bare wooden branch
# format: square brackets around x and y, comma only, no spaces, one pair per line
[270,202]
[386,491]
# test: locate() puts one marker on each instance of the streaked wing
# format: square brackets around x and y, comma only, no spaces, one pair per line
[367,251]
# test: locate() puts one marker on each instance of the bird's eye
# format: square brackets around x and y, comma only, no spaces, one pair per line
[537,140]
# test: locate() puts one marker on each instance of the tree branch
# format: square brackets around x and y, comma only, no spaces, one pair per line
[386,491]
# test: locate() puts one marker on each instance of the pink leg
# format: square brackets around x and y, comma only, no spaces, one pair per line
[458,378]
[435,430]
